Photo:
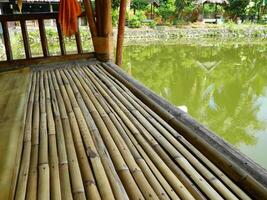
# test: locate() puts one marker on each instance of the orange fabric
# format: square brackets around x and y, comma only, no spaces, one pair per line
[20,5]
[69,10]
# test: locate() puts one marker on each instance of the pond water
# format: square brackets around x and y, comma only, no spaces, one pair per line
[222,84]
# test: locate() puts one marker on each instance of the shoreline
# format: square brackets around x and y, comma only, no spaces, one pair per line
[242,33]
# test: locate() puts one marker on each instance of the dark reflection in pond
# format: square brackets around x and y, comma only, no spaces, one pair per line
[224,86]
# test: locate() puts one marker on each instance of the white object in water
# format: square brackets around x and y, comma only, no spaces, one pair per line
[183,108]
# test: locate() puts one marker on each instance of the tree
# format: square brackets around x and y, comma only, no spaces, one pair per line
[237,8]
[139,4]
[115,4]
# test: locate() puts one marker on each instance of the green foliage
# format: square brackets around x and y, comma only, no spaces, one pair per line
[136,20]
[115,4]
[237,8]
[115,17]
[167,11]
[139,4]
[152,24]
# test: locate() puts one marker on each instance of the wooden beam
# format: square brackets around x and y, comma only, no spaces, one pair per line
[9,55]
[20,63]
[31,16]
[78,42]
[61,39]
[25,36]
[43,37]
[121,28]
[90,17]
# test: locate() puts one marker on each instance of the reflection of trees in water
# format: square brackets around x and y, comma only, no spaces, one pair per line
[223,98]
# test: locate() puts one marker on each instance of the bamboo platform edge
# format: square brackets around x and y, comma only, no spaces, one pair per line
[230,154]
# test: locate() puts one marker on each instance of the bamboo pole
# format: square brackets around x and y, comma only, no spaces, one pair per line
[25,156]
[165,170]
[122,169]
[179,173]
[123,149]
[79,129]
[65,184]
[121,28]
[117,186]
[188,146]
[90,17]
[55,191]
[139,160]
[103,43]
[167,187]
[227,166]
[75,174]
[33,171]
[43,162]
[216,183]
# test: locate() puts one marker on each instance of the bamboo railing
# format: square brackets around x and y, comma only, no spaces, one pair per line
[46,57]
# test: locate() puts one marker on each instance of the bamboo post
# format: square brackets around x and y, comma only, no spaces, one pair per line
[9,55]
[90,17]
[25,36]
[121,28]
[103,41]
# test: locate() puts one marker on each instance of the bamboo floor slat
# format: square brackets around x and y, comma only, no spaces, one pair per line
[88,137]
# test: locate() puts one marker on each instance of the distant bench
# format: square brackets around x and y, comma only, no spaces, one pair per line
[210,21]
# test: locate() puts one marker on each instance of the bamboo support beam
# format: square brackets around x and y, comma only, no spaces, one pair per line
[90,17]
[121,28]
[78,42]
[9,55]
[61,39]
[43,37]
[25,36]
[103,42]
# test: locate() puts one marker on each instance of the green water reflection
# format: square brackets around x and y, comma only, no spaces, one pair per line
[223,85]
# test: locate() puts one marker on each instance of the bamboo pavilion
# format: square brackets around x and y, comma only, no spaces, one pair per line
[75,126]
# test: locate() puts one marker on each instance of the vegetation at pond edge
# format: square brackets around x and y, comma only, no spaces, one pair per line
[176,12]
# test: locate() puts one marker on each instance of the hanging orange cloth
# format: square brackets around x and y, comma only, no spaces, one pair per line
[69,10]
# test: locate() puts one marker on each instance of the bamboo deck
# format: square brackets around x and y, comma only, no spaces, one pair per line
[87,136]
[13,100]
